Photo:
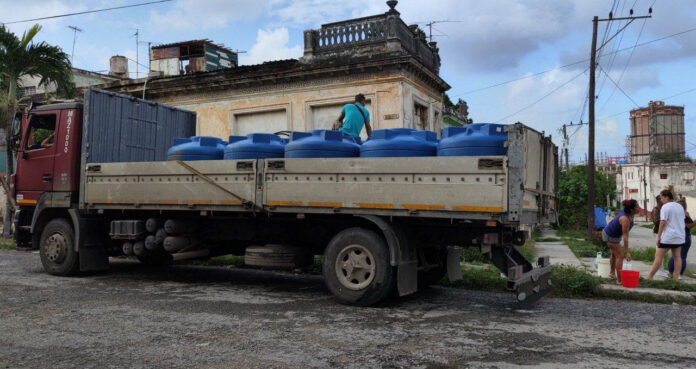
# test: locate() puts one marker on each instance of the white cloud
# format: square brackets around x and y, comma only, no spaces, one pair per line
[193,15]
[271,45]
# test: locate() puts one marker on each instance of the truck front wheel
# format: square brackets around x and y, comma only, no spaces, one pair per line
[57,248]
[356,267]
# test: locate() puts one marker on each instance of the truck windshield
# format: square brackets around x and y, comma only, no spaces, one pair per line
[41,133]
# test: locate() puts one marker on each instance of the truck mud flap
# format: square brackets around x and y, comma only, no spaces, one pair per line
[531,286]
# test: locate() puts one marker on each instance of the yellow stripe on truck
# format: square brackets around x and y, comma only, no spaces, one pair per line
[325,204]
[423,207]
[374,206]
[285,203]
[26,202]
[479,209]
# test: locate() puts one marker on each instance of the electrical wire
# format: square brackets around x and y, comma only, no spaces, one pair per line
[543,97]
[619,87]
[630,56]
[86,12]
[574,63]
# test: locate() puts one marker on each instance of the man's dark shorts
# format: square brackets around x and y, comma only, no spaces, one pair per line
[669,245]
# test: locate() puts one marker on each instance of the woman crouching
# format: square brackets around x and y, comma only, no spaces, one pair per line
[616,229]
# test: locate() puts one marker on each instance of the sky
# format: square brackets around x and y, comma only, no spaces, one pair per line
[542,46]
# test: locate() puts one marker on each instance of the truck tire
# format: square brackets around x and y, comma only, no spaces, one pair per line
[57,248]
[156,259]
[356,267]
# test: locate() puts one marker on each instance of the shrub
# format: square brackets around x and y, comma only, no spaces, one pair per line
[569,281]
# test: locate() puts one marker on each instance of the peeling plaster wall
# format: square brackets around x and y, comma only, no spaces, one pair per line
[308,104]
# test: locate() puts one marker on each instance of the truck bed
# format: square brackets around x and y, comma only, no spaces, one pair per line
[516,188]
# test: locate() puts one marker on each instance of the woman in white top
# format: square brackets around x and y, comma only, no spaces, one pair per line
[670,235]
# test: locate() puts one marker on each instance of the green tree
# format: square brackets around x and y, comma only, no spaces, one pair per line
[573,195]
[20,57]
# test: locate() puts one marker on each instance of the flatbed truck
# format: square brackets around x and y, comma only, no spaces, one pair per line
[383,225]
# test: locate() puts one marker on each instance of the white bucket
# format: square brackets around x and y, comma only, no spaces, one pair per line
[603,268]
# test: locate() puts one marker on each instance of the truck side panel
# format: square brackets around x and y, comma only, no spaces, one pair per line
[169,185]
[119,128]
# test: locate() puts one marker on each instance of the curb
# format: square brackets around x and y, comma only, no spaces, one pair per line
[650,294]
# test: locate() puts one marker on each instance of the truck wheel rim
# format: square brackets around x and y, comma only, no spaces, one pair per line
[355,267]
[56,248]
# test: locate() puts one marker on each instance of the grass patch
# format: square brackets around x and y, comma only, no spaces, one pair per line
[536,233]
[486,278]
[648,226]
[569,281]
[472,255]
[668,284]
[572,233]
[585,249]
[7,244]
[644,255]
[527,250]
[235,260]
[548,239]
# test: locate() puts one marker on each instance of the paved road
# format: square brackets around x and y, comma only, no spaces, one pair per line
[213,317]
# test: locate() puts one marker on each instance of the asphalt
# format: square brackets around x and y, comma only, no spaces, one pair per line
[217,317]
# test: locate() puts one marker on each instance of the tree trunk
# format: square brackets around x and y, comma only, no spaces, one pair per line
[11,111]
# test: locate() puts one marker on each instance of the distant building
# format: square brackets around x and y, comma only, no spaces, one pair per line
[83,78]
[642,181]
[190,57]
[657,133]
[379,56]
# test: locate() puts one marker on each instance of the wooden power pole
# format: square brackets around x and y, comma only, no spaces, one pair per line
[590,142]
[592,97]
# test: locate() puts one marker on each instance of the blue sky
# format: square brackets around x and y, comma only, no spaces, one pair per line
[493,41]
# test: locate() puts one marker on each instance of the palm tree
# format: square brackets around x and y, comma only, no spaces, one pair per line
[21,57]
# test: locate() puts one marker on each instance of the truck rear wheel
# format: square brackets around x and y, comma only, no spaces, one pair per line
[57,248]
[356,267]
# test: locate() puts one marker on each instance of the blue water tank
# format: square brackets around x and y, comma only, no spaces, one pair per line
[321,143]
[196,148]
[474,139]
[255,146]
[399,142]
[623,161]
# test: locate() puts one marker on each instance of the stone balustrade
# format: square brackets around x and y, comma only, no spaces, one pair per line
[380,34]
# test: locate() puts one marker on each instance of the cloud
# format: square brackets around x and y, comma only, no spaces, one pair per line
[271,45]
[30,9]
[193,15]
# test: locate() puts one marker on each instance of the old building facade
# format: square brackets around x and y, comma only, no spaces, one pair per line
[379,56]
[642,181]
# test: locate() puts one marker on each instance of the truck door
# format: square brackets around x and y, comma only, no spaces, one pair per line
[35,162]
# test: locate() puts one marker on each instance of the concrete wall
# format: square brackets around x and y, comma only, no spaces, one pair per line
[311,104]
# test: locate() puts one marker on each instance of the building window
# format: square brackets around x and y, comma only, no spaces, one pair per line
[663,175]
[688,176]
[30,90]
[420,114]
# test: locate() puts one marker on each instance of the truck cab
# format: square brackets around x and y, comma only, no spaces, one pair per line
[48,163]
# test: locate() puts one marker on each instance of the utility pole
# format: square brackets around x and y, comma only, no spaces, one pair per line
[75,31]
[137,44]
[592,97]
[565,147]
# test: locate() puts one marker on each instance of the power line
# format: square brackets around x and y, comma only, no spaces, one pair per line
[543,97]
[630,56]
[574,63]
[619,87]
[86,12]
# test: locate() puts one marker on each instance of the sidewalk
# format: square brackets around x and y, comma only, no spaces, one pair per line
[560,253]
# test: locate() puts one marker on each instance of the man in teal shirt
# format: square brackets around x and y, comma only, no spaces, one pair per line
[353,117]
